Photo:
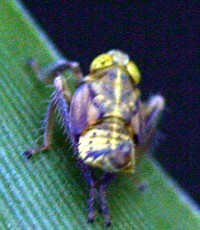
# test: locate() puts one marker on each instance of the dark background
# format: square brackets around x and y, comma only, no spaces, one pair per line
[162,39]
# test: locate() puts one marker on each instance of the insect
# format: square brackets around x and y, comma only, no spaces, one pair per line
[110,127]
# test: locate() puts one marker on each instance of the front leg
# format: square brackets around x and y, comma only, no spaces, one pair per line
[61,98]
[48,129]
[49,73]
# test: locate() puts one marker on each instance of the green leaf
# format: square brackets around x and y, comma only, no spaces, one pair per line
[48,191]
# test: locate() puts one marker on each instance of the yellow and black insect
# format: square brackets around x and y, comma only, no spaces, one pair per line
[110,127]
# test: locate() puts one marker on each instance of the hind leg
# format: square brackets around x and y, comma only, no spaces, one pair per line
[146,126]
[106,180]
[92,183]
[145,122]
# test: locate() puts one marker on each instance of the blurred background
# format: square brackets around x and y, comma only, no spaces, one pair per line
[161,37]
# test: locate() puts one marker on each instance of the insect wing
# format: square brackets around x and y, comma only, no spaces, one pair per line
[82,111]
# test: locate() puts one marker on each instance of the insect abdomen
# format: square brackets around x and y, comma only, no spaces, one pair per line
[107,145]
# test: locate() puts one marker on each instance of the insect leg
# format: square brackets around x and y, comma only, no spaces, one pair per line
[155,106]
[140,185]
[151,113]
[49,73]
[48,127]
[63,99]
[106,180]
[91,181]
[60,99]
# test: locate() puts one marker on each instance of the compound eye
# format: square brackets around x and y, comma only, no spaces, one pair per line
[101,62]
[133,71]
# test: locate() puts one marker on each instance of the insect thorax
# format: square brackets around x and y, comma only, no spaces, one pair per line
[107,140]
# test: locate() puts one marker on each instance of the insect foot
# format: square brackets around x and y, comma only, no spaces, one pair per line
[142,186]
[91,218]
[28,154]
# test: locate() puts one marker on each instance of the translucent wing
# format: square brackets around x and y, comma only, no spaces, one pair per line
[82,111]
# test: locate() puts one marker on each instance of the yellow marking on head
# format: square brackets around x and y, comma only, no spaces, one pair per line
[133,71]
[111,58]
[116,58]
[101,62]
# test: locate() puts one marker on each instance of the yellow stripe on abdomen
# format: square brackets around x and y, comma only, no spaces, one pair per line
[102,138]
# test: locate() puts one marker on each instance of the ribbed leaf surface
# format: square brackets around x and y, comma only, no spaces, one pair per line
[48,192]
